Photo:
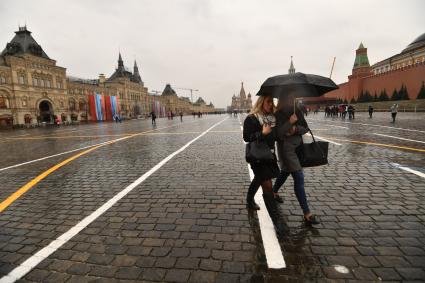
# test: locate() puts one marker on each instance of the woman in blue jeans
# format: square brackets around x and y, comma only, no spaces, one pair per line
[290,128]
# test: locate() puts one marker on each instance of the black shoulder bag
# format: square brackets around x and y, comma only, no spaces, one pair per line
[258,151]
[313,154]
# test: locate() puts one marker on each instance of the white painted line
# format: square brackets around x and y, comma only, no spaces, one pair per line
[420,174]
[42,254]
[54,155]
[398,138]
[66,152]
[338,126]
[363,124]
[272,250]
[323,139]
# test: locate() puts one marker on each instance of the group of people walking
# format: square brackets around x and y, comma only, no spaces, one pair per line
[269,123]
[341,111]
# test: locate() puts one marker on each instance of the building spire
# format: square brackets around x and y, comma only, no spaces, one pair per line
[136,75]
[242,92]
[291,68]
[120,61]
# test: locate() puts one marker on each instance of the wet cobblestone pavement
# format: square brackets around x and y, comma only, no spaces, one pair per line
[187,221]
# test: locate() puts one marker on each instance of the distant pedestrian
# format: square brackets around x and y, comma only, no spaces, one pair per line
[394,110]
[181,116]
[153,117]
[290,128]
[259,126]
[370,110]
[350,112]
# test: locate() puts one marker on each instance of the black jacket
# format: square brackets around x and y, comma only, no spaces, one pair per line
[253,131]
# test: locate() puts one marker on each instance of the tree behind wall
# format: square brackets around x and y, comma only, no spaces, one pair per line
[421,94]
[403,94]
[383,96]
[395,95]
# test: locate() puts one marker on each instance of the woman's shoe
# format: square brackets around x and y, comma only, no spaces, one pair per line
[311,220]
[278,198]
[252,205]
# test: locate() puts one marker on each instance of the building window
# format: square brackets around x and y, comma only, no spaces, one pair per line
[3,102]
[24,102]
[2,79]
[21,79]
[41,82]
[61,103]
[34,82]
[72,105]
[48,83]
[58,82]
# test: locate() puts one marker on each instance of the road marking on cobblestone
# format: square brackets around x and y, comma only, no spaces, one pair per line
[81,148]
[272,250]
[398,138]
[25,267]
[420,174]
[324,139]
[378,144]
[364,124]
[4,204]
[17,194]
[66,137]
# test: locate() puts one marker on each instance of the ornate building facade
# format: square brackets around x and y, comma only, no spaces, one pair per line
[242,102]
[406,68]
[176,104]
[33,89]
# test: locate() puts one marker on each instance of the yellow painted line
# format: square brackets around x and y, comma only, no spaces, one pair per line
[67,137]
[4,204]
[379,144]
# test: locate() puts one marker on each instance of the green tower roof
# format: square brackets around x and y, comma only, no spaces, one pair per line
[361,58]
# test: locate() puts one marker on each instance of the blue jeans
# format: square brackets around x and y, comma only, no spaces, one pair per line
[298,177]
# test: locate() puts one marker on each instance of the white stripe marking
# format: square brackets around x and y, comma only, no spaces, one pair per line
[398,138]
[374,125]
[59,154]
[42,254]
[323,139]
[274,255]
[77,149]
[420,174]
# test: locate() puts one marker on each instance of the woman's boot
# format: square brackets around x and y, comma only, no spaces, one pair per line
[252,190]
[274,213]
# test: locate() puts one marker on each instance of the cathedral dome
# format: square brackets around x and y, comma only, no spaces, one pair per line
[418,42]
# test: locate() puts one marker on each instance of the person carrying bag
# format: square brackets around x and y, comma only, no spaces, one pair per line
[260,134]
[291,126]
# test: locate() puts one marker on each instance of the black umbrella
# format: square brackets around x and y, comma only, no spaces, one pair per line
[297,84]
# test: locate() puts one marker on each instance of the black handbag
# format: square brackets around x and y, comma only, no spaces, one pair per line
[258,151]
[313,154]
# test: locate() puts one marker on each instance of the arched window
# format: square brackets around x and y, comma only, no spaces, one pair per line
[4,102]
[21,78]
[24,101]
[72,104]
[2,79]
[82,105]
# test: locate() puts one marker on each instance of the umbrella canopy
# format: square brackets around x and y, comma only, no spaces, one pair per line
[297,84]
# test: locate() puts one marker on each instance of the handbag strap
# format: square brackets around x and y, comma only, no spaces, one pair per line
[311,133]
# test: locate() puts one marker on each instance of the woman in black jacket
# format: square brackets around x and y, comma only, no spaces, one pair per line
[259,125]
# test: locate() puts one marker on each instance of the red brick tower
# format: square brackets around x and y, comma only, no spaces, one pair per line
[361,69]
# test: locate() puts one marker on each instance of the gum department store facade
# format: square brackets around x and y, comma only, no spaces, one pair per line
[34,89]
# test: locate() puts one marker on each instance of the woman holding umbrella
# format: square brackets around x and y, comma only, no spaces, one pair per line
[259,125]
[291,125]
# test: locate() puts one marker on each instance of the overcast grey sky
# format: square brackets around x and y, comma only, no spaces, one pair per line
[214,45]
